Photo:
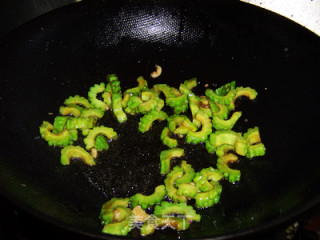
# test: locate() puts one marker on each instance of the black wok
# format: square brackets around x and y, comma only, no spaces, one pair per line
[65,52]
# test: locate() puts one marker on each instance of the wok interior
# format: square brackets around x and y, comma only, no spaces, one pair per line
[67,51]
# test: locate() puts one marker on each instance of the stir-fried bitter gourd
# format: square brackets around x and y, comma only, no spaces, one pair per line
[166,137]
[64,138]
[90,139]
[146,121]
[78,100]
[166,156]
[73,110]
[255,146]
[116,98]
[59,124]
[70,152]
[93,93]
[148,201]
[167,208]
[233,175]
[170,182]
[181,183]
[221,124]
[115,215]
[206,129]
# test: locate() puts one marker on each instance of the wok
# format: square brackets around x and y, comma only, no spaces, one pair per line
[65,52]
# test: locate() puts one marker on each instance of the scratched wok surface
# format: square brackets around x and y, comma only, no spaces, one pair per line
[65,52]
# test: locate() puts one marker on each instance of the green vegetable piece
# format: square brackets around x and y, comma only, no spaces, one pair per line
[166,156]
[148,201]
[146,121]
[77,100]
[122,226]
[132,105]
[221,124]
[90,139]
[208,199]
[142,85]
[167,139]
[197,104]
[188,190]
[189,173]
[170,181]
[116,104]
[177,223]
[64,138]
[178,103]
[165,89]
[206,177]
[191,83]
[233,175]
[224,149]
[206,129]
[219,110]
[167,208]
[93,93]
[229,137]
[59,124]
[80,123]
[73,110]
[116,98]
[116,216]
[71,152]
[101,143]
[226,99]
[107,209]
[210,148]
[92,113]
[225,89]
[255,146]
[106,96]
[150,101]
[243,91]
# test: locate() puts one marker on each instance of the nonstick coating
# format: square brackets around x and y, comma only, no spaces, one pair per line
[67,51]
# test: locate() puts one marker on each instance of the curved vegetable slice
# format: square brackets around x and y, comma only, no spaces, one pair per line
[208,199]
[80,123]
[142,84]
[221,124]
[73,110]
[90,139]
[116,216]
[233,175]
[219,110]
[148,201]
[101,143]
[167,139]
[189,173]
[167,208]
[177,223]
[92,113]
[166,156]
[255,146]
[206,177]
[78,100]
[93,93]
[165,89]
[150,101]
[225,99]
[70,152]
[188,190]
[243,91]
[146,121]
[59,124]
[116,98]
[170,181]
[206,129]
[64,138]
